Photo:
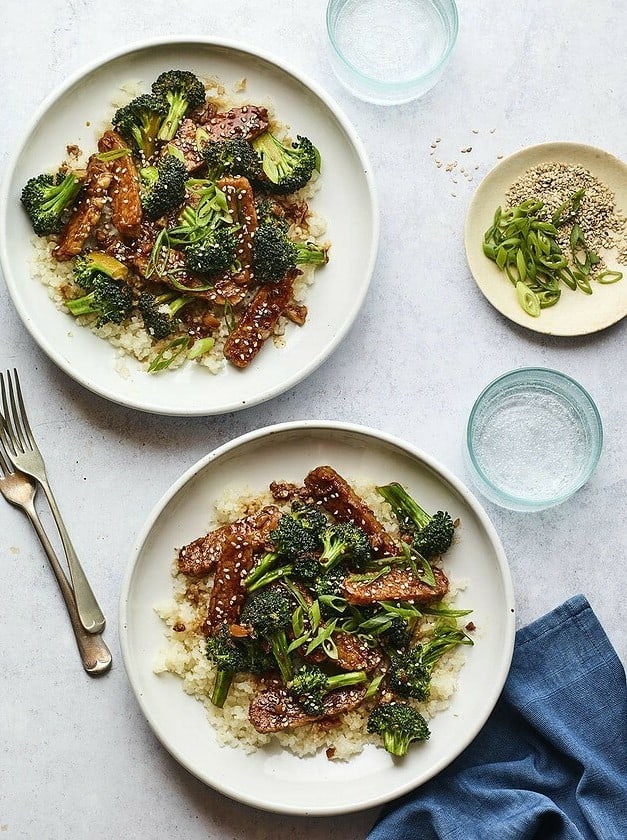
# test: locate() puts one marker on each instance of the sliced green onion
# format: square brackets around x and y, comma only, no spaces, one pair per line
[113,154]
[528,300]
[607,277]
[201,347]
[161,362]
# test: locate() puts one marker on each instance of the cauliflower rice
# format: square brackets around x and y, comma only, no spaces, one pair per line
[184,656]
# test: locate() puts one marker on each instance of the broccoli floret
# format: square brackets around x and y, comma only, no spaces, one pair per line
[330,583]
[398,724]
[345,541]
[229,658]
[110,299]
[258,660]
[88,266]
[398,635]
[268,613]
[409,674]
[287,168]
[291,539]
[306,568]
[162,186]
[231,157]
[274,254]
[46,197]
[183,91]
[310,517]
[268,211]
[310,684]
[431,535]
[159,312]
[139,121]
[215,253]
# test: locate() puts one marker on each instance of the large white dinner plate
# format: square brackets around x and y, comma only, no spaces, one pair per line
[271,778]
[575,313]
[346,199]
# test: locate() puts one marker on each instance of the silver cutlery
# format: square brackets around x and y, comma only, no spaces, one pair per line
[18,489]
[24,454]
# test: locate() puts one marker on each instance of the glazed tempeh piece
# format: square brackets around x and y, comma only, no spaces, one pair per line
[126,206]
[353,654]
[245,123]
[259,320]
[185,142]
[275,709]
[396,585]
[88,211]
[337,496]
[202,555]
[229,593]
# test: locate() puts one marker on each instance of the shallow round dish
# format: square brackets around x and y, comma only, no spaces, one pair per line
[534,437]
[387,52]
[346,200]
[575,313]
[270,778]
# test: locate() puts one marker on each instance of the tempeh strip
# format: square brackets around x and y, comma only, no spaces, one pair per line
[396,585]
[126,207]
[337,496]
[86,214]
[259,320]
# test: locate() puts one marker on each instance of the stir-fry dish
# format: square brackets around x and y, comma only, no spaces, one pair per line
[189,223]
[323,619]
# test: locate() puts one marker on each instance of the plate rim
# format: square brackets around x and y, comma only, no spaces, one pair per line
[509,606]
[536,326]
[146,44]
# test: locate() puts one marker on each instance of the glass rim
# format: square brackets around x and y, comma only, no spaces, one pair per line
[593,458]
[407,83]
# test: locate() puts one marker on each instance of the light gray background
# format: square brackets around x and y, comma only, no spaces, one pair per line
[77,759]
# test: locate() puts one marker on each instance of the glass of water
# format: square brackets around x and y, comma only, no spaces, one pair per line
[390,51]
[534,437]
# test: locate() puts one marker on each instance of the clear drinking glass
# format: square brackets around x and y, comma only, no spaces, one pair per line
[534,437]
[390,51]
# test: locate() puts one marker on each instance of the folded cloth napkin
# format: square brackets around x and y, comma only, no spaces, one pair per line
[551,762]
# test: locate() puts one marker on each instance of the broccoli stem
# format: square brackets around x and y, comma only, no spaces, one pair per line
[278,643]
[221,687]
[62,195]
[400,500]
[85,305]
[264,565]
[270,577]
[395,743]
[178,107]
[342,680]
[306,255]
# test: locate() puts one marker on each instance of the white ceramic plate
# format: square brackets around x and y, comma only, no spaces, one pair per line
[575,313]
[273,779]
[346,200]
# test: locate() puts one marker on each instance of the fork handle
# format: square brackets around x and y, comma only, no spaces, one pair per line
[95,654]
[90,614]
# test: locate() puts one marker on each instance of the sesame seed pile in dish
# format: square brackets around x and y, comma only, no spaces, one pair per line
[318,615]
[187,236]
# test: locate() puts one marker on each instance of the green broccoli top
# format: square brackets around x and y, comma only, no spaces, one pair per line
[287,168]
[398,724]
[310,684]
[46,197]
[431,535]
[231,157]
[183,91]
[345,541]
[213,254]
[162,186]
[139,121]
[90,265]
[274,254]
[111,300]
[159,312]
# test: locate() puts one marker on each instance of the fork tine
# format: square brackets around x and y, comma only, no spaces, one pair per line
[5,467]
[23,415]
[19,437]
[6,429]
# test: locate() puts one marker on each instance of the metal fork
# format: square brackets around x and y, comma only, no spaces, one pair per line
[20,490]
[24,454]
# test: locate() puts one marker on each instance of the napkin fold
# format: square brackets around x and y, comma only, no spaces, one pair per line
[551,762]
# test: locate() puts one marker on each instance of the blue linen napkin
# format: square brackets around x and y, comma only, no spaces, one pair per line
[551,762]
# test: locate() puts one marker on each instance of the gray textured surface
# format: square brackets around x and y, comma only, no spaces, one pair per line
[77,758]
